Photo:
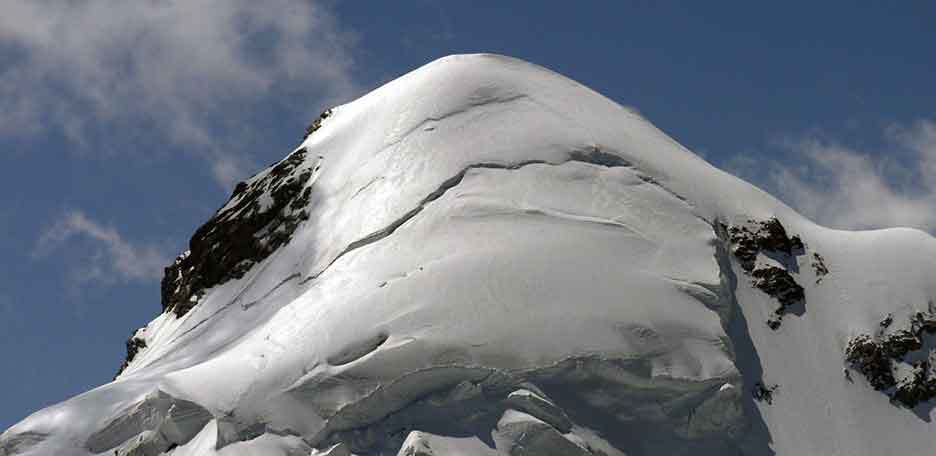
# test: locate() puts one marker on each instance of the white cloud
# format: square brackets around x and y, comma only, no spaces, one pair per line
[844,187]
[113,260]
[192,71]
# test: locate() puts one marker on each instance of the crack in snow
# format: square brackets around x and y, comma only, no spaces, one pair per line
[466,109]
[593,156]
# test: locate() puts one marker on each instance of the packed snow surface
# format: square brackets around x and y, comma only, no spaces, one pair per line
[498,260]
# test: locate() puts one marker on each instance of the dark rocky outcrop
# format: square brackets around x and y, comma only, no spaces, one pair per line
[877,358]
[772,236]
[743,246]
[917,387]
[317,123]
[923,323]
[134,345]
[900,342]
[766,236]
[780,284]
[886,322]
[818,265]
[260,216]
[870,359]
[769,238]
[764,393]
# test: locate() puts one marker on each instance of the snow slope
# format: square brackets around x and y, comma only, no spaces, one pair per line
[494,259]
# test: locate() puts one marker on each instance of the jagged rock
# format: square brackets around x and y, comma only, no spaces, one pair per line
[778,283]
[923,323]
[818,264]
[870,358]
[897,344]
[886,321]
[768,235]
[774,322]
[877,360]
[260,216]
[744,246]
[317,123]
[134,345]
[764,393]
[750,240]
[917,387]
[773,236]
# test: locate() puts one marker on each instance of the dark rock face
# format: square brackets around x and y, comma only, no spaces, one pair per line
[877,359]
[770,238]
[134,345]
[778,283]
[886,322]
[901,342]
[317,123]
[923,323]
[260,216]
[918,387]
[744,246]
[764,393]
[773,236]
[765,236]
[869,358]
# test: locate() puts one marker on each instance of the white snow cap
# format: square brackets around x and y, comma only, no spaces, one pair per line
[485,235]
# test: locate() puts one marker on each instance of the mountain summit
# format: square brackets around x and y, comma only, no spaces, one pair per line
[484,257]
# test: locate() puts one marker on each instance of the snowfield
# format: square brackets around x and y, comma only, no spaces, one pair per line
[484,257]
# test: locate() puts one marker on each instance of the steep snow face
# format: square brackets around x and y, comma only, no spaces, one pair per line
[489,258]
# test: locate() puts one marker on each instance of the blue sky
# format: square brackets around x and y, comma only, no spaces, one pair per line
[124,125]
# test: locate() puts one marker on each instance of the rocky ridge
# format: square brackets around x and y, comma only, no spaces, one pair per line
[879,358]
[260,217]
[769,238]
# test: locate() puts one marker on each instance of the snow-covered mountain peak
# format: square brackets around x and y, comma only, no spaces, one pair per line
[485,257]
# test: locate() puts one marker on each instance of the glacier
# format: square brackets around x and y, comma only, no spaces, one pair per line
[483,257]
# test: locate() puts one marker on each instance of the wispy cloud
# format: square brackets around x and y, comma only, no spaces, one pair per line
[847,187]
[114,259]
[181,72]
